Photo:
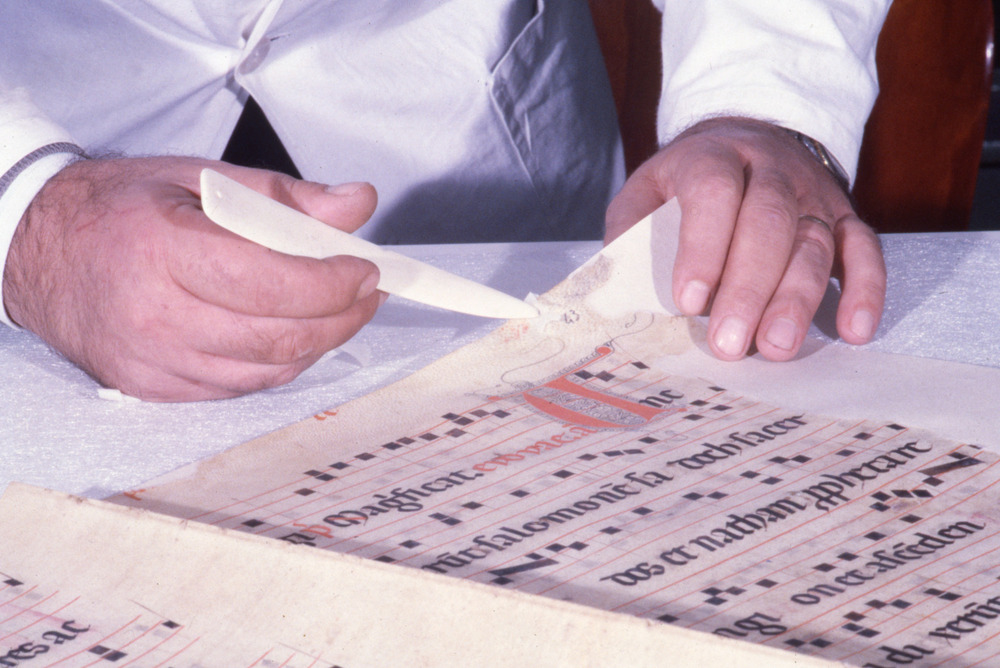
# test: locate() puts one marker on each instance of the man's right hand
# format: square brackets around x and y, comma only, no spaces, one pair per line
[116,266]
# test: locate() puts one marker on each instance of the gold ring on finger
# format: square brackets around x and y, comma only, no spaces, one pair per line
[814,219]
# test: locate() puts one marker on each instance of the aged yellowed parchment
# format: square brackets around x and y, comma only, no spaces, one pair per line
[132,588]
[556,493]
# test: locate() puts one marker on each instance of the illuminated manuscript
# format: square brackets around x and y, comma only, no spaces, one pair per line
[562,457]
[126,587]
[554,494]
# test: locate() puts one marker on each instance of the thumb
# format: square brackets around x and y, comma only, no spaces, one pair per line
[347,206]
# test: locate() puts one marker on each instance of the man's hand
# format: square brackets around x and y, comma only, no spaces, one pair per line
[116,266]
[763,225]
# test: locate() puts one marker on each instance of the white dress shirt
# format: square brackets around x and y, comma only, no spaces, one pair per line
[476,120]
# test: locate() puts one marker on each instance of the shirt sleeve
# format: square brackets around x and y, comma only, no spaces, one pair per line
[807,65]
[32,150]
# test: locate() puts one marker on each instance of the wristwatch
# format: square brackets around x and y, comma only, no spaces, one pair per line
[825,157]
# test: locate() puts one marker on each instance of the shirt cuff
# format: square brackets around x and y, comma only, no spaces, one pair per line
[784,108]
[18,187]
[808,66]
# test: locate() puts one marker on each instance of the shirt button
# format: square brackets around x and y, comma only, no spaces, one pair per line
[255,57]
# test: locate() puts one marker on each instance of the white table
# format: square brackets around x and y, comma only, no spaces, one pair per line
[944,299]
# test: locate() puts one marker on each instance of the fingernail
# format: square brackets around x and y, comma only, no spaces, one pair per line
[694,297]
[863,324]
[782,334]
[368,285]
[345,189]
[731,337]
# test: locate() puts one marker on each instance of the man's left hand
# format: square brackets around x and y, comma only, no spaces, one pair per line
[764,224]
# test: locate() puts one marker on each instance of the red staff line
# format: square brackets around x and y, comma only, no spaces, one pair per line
[814,539]
[918,619]
[44,615]
[396,482]
[21,611]
[962,501]
[280,487]
[350,474]
[562,491]
[156,646]
[359,470]
[670,492]
[439,453]
[100,641]
[869,591]
[770,492]
[791,529]
[675,492]
[500,493]
[909,590]
[866,592]
[178,652]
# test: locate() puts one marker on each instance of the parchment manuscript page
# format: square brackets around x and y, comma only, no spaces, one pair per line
[561,457]
[126,587]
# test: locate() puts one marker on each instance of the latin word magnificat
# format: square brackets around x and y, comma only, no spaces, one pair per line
[400,499]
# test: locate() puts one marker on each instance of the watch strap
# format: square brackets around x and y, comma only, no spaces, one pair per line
[825,158]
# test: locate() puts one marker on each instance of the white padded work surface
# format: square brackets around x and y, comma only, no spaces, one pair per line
[944,299]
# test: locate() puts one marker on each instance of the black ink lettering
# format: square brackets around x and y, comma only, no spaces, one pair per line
[677,556]
[563,515]
[853,578]
[758,622]
[827,495]
[815,594]
[346,518]
[907,655]
[639,573]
